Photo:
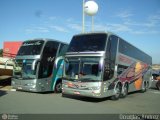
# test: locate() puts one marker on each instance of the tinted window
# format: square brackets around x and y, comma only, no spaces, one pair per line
[112,48]
[45,69]
[63,49]
[89,42]
[121,68]
[129,50]
[31,47]
[50,49]
[47,62]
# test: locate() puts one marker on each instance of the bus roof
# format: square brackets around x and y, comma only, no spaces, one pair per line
[111,33]
[45,39]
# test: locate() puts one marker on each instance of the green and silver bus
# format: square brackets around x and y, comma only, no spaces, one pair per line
[38,66]
[102,65]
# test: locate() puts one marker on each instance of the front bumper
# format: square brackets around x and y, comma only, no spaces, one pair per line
[25,85]
[85,93]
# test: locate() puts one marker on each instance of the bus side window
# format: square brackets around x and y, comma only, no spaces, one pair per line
[110,59]
[63,49]
[121,68]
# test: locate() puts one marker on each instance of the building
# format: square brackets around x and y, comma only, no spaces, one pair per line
[156,66]
[10,49]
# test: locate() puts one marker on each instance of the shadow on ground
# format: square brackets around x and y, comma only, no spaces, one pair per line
[5,82]
[86,99]
[96,100]
[2,93]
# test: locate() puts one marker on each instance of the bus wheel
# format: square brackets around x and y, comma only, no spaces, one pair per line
[124,91]
[117,91]
[158,85]
[58,87]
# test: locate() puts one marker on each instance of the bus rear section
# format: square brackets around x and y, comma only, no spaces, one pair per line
[99,67]
[35,69]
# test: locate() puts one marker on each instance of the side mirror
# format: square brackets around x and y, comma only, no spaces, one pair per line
[34,63]
[57,60]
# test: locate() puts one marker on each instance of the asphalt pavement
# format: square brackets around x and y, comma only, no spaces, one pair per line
[18,102]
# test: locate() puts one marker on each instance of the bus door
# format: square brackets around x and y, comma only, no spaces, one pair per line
[46,64]
[109,64]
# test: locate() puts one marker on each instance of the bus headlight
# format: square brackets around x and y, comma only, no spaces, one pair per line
[30,84]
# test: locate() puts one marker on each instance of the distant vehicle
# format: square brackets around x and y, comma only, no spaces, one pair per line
[7,55]
[38,66]
[103,64]
[155,83]
[6,68]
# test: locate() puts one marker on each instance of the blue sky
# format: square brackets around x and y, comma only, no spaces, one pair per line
[137,21]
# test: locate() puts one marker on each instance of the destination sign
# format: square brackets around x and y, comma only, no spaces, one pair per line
[32,43]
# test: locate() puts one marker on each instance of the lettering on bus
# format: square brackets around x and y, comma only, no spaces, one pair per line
[29,44]
[50,59]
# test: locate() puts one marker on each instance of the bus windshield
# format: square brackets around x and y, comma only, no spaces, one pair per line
[85,70]
[23,69]
[31,47]
[88,42]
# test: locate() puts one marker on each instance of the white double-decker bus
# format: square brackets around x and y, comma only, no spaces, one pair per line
[38,66]
[103,64]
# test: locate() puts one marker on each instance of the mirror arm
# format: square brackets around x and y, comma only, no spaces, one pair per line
[34,63]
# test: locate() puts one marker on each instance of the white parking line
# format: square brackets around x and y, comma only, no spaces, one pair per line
[156,92]
[13,90]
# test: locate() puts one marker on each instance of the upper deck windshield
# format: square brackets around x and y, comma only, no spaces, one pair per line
[31,47]
[85,69]
[88,42]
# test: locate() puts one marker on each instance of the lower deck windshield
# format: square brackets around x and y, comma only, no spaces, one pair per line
[23,69]
[83,69]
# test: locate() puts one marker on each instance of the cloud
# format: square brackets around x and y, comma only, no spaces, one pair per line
[59,28]
[38,13]
[75,26]
[151,21]
[100,27]
[46,29]
[150,25]
[154,19]
[118,27]
[37,30]
[70,20]
[52,18]
[125,23]
[124,14]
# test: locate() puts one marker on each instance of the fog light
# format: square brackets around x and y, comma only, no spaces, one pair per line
[96,93]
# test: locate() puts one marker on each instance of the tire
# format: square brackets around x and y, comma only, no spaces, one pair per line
[117,91]
[63,95]
[158,85]
[144,89]
[58,87]
[124,92]
[147,85]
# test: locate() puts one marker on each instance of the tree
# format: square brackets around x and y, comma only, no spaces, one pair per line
[1,52]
